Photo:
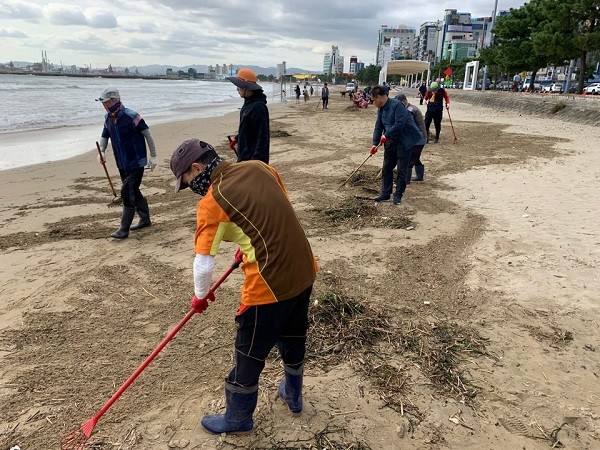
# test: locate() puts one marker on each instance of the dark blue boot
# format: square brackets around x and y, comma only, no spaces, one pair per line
[290,388]
[409,174]
[240,405]
[420,171]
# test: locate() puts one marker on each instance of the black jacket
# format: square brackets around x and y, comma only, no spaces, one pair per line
[253,133]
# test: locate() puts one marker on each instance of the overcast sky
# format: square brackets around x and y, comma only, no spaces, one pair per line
[186,32]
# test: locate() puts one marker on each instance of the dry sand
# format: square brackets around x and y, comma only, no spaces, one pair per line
[467,317]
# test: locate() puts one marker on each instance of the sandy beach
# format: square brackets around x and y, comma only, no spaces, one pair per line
[465,318]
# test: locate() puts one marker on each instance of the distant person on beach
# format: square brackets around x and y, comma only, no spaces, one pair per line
[128,135]
[395,129]
[415,152]
[325,95]
[312,91]
[422,92]
[435,98]
[386,88]
[246,203]
[297,92]
[283,97]
[516,82]
[305,94]
[253,138]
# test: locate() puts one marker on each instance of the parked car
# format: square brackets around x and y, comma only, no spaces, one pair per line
[504,85]
[350,87]
[556,88]
[593,89]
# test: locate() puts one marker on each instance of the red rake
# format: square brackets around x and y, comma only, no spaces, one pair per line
[453,132]
[77,439]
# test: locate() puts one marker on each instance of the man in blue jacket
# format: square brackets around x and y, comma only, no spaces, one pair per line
[253,138]
[396,130]
[128,135]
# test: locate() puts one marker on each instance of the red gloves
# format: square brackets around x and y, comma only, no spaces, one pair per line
[199,305]
[383,139]
[232,142]
[239,255]
[373,149]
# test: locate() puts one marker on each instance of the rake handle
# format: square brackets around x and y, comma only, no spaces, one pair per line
[451,124]
[105,169]
[160,346]
[357,169]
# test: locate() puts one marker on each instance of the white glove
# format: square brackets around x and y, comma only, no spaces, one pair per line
[152,163]
[102,160]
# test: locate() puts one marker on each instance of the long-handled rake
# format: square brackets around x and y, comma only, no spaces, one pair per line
[453,132]
[116,201]
[232,147]
[358,168]
[77,439]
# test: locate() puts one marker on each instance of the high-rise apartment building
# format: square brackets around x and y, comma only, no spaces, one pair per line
[426,42]
[456,40]
[281,70]
[333,63]
[394,43]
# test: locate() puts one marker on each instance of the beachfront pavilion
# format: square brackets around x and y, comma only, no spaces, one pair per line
[412,69]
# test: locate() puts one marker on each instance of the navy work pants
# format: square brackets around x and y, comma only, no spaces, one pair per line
[130,188]
[260,328]
[394,155]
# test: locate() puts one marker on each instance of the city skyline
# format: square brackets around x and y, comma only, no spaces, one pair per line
[173,33]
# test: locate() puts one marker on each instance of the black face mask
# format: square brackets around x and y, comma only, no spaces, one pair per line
[114,108]
[201,182]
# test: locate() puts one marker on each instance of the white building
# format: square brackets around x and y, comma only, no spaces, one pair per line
[333,63]
[394,43]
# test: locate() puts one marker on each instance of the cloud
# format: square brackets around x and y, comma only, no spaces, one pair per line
[12,33]
[100,18]
[20,10]
[181,32]
[59,14]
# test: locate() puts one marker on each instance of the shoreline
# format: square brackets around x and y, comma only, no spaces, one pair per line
[166,135]
[30,144]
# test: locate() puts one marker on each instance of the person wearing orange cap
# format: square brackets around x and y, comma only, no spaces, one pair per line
[253,138]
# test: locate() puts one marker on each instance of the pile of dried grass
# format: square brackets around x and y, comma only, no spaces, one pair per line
[440,351]
[360,213]
[340,327]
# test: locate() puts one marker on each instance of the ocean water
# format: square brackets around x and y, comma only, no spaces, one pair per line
[49,118]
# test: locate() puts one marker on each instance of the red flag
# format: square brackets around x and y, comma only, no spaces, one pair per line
[448,72]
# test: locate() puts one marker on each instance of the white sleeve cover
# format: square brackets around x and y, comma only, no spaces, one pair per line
[203,271]
[150,141]
[103,143]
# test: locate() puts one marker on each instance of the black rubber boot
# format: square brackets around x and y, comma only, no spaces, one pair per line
[290,388]
[126,219]
[420,172]
[141,207]
[409,174]
[240,405]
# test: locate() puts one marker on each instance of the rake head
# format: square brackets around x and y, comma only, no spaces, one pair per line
[115,202]
[77,439]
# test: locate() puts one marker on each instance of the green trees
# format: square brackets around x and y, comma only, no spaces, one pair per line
[369,75]
[572,30]
[544,32]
